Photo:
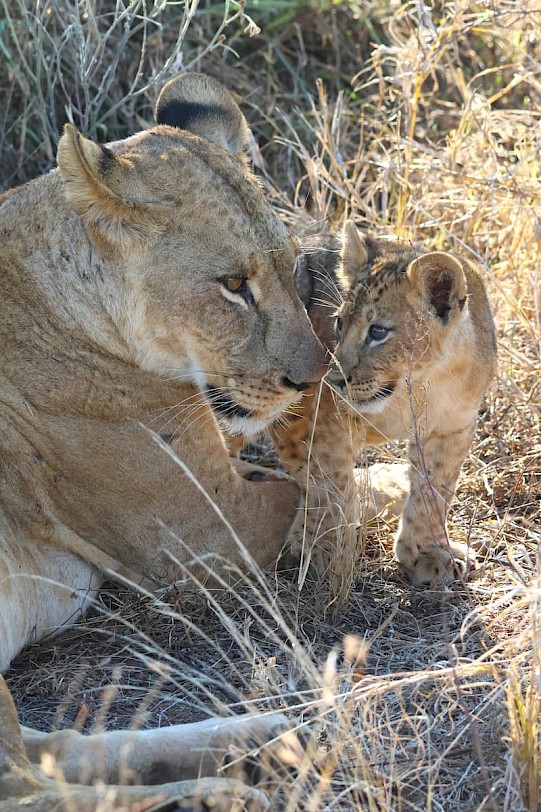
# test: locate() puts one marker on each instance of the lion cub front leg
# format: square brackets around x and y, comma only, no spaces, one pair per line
[317,446]
[422,546]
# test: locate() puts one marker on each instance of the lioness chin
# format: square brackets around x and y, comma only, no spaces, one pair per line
[145,286]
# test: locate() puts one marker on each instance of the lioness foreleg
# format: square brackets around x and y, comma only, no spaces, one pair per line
[42,783]
[162,755]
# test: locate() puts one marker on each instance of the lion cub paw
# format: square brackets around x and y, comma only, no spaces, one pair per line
[434,563]
[257,473]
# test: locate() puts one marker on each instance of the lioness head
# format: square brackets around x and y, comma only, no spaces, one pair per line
[402,308]
[196,268]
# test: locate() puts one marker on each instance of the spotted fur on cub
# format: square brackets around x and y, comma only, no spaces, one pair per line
[413,354]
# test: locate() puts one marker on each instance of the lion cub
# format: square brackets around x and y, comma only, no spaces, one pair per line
[414,353]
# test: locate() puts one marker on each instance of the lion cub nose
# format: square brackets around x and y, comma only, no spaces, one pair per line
[336,379]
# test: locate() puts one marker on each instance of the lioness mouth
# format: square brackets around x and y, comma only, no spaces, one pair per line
[224,406]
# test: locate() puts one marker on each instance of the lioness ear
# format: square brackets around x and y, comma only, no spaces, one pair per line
[354,255]
[93,176]
[87,169]
[439,278]
[199,104]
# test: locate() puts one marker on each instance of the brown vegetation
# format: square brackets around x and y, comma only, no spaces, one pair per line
[419,120]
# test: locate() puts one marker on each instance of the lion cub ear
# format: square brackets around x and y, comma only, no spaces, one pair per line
[93,176]
[440,280]
[354,255]
[201,105]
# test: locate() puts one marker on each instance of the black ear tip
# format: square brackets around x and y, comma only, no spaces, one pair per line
[182,113]
[164,114]
[107,159]
[199,104]
[192,97]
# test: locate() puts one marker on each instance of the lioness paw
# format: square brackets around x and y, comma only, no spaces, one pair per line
[434,563]
[264,748]
[220,795]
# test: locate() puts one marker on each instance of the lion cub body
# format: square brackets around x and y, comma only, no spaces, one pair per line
[413,354]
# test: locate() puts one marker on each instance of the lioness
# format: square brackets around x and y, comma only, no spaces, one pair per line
[414,350]
[145,286]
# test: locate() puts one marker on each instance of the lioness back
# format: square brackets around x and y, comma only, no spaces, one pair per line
[413,353]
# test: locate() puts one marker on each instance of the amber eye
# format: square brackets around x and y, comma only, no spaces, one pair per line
[238,285]
[234,283]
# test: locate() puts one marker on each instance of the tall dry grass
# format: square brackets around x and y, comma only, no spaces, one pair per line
[96,63]
[420,120]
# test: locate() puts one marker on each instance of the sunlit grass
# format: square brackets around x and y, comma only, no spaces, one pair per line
[419,700]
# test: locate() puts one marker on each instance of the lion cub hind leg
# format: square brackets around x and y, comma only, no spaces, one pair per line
[384,488]
[422,546]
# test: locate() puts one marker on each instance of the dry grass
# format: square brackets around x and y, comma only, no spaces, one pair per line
[425,124]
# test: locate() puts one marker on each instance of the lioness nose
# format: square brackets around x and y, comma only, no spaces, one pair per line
[305,359]
[296,382]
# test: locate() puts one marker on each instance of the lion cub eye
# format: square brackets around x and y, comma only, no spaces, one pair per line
[377,332]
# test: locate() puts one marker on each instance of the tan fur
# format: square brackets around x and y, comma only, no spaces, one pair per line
[422,383]
[115,322]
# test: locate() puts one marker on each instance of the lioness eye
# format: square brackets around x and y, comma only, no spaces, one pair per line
[238,285]
[234,283]
[377,332]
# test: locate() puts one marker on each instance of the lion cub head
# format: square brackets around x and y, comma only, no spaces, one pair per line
[402,309]
[193,266]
